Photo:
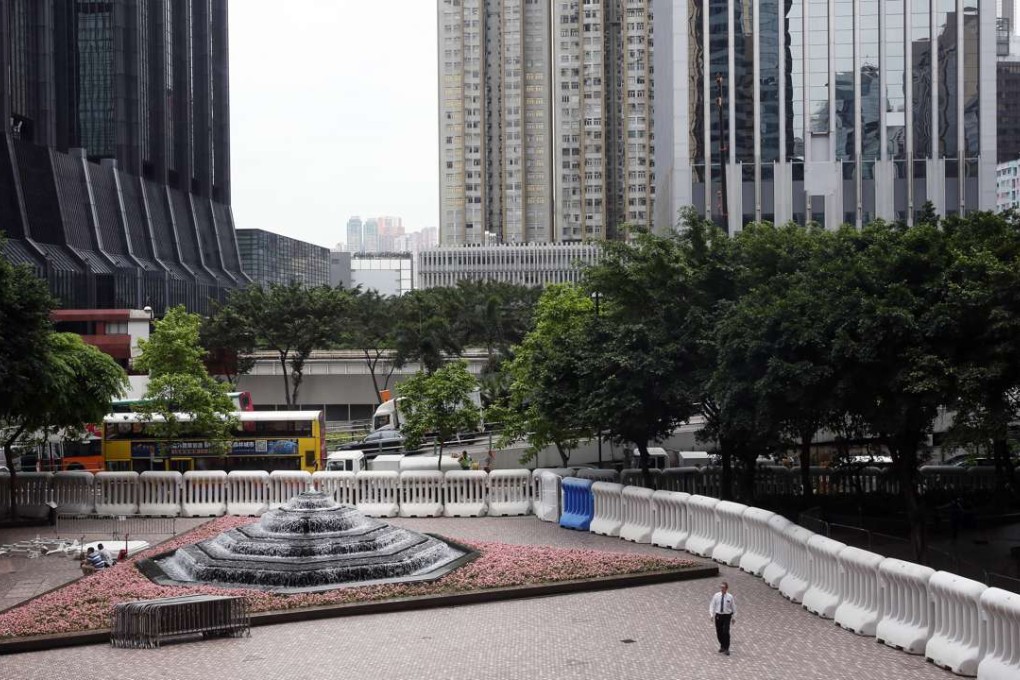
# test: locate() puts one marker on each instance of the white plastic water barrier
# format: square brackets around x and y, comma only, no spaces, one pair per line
[204,493]
[1000,610]
[704,533]
[955,641]
[861,607]
[379,493]
[598,475]
[116,493]
[536,485]
[906,620]
[509,494]
[285,484]
[247,492]
[730,547]
[779,551]
[638,519]
[465,493]
[669,508]
[32,493]
[824,591]
[547,495]
[421,493]
[757,550]
[342,486]
[798,564]
[607,498]
[159,493]
[415,463]
[74,492]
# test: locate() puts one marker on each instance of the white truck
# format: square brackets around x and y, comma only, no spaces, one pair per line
[389,417]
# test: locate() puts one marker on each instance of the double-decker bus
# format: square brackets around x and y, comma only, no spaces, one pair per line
[241,400]
[262,440]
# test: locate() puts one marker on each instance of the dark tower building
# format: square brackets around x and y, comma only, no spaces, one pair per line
[115,150]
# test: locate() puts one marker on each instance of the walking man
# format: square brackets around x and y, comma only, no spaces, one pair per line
[722,610]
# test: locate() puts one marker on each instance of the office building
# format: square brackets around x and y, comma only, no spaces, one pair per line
[388,274]
[355,235]
[271,258]
[544,119]
[533,264]
[840,110]
[1007,186]
[115,150]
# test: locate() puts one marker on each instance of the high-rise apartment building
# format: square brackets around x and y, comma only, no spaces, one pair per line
[544,119]
[115,150]
[370,238]
[827,110]
[355,235]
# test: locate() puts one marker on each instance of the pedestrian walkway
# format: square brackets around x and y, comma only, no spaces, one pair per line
[647,633]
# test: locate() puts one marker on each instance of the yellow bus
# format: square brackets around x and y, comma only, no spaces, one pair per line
[262,440]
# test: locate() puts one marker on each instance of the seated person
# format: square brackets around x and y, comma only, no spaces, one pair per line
[95,559]
[105,554]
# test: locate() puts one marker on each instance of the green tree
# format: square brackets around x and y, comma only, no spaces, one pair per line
[371,332]
[424,331]
[292,320]
[438,403]
[545,391]
[640,363]
[229,343]
[75,387]
[179,384]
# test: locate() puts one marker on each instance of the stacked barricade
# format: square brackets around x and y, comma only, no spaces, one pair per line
[421,493]
[704,532]
[798,566]
[116,493]
[285,484]
[379,493]
[204,493]
[774,480]
[342,486]
[824,593]
[547,495]
[465,493]
[779,551]
[607,512]
[148,623]
[1000,611]
[905,621]
[757,553]
[74,492]
[633,477]
[32,493]
[159,493]
[508,493]
[955,642]
[578,504]
[247,492]
[861,607]
[682,479]
[638,518]
[671,525]
[598,475]
[536,486]
[730,546]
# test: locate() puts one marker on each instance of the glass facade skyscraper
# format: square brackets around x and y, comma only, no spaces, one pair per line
[115,150]
[825,110]
[271,258]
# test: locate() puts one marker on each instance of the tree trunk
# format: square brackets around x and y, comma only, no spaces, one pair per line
[1003,467]
[371,371]
[747,475]
[805,466]
[565,457]
[286,377]
[905,460]
[9,458]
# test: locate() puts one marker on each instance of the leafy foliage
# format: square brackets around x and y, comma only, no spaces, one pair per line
[438,403]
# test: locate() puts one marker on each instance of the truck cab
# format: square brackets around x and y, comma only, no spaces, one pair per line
[345,461]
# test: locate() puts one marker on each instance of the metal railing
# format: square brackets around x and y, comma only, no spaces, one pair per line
[115,525]
[149,623]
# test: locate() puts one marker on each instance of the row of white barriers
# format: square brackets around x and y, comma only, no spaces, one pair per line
[956,623]
[415,493]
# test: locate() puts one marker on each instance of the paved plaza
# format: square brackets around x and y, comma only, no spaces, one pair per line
[650,632]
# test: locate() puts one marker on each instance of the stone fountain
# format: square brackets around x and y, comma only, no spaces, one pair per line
[309,544]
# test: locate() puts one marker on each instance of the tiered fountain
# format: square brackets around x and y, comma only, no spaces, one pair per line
[311,543]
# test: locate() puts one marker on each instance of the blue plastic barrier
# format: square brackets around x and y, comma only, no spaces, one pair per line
[578,503]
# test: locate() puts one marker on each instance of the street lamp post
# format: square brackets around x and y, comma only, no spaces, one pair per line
[596,296]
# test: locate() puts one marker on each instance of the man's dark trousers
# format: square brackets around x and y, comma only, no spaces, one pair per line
[722,630]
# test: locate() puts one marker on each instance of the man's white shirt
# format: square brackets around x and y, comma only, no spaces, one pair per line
[728,606]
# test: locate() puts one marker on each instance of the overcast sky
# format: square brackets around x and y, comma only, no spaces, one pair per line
[333,114]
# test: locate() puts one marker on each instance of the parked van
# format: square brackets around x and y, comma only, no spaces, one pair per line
[345,461]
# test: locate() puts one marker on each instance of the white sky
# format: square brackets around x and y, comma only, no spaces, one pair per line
[333,113]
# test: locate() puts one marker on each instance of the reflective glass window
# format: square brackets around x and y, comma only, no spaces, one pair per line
[818,64]
[871,80]
[844,66]
[696,88]
[768,24]
[971,86]
[948,70]
[743,75]
[895,79]
[920,46]
[794,81]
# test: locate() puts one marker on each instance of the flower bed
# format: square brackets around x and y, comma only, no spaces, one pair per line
[86,604]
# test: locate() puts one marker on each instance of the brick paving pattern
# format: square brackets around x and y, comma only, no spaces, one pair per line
[648,633]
